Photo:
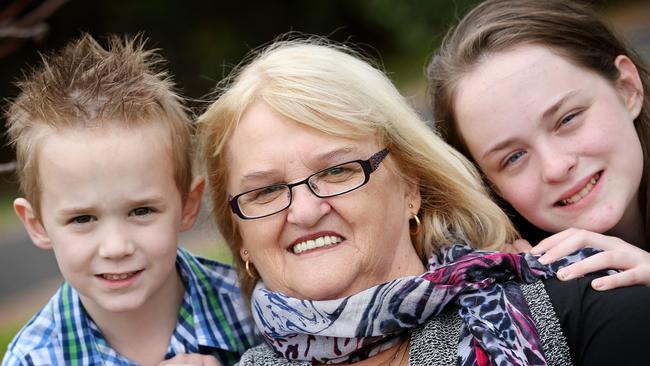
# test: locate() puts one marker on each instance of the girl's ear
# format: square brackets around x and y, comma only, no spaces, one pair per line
[629,85]
[35,229]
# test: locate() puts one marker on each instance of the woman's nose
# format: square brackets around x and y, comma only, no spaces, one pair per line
[306,208]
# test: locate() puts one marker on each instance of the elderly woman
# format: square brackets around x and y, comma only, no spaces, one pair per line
[352,225]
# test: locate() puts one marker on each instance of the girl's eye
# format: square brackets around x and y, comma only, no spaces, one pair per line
[83,219]
[568,118]
[141,211]
[512,158]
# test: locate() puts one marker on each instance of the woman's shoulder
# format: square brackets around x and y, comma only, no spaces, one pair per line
[436,341]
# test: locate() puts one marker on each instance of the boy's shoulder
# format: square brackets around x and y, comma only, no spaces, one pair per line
[214,303]
[40,341]
[209,271]
[62,330]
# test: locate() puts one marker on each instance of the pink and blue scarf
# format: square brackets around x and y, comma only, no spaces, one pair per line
[498,328]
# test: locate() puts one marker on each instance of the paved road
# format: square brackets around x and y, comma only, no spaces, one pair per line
[23,266]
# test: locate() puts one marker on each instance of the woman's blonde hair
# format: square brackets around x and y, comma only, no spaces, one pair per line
[331,89]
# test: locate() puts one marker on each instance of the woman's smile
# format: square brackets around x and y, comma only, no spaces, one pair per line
[316,241]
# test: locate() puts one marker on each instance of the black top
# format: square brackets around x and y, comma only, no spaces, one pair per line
[603,328]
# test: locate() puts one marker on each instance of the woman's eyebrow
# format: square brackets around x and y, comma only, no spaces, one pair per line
[336,153]
[255,175]
[325,156]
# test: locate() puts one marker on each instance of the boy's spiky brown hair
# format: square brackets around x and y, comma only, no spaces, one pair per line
[85,85]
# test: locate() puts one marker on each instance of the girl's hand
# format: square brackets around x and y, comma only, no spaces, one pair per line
[633,262]
[193,359]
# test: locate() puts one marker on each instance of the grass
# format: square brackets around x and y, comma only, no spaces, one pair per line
[7,333]
[218,252]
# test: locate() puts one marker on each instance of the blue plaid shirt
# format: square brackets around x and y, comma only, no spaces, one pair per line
[213,319]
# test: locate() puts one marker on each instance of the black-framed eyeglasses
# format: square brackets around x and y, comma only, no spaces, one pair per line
[330,182]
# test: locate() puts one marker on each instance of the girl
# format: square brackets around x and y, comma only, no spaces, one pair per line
[550,105]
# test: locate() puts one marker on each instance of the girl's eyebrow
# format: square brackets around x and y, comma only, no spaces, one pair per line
[500,146]
[550,111]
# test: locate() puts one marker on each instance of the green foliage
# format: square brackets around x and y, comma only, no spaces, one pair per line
[7,333]
[8,220]
[218,252]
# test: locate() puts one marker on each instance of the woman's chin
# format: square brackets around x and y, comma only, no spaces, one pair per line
[323,288]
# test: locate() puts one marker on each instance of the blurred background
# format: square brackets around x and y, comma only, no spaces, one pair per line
[202,40]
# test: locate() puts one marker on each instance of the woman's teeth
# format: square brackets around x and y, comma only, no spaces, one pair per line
[583,192]
[117,276]
[316,243]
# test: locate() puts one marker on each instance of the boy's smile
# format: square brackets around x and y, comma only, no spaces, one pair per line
[111,211]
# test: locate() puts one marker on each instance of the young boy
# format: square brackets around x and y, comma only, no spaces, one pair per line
[104,161]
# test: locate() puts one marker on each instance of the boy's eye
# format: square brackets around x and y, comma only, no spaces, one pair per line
[141,211]
[83,219]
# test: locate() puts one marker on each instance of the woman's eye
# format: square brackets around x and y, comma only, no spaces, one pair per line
[335,171]
[141,211]
[267,191]
[512,158]
[340,173]
[83,219]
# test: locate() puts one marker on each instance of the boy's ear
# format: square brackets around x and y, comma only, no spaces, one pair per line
[629,84]
[32,224]
[192,205]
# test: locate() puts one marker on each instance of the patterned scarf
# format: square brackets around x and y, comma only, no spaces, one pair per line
[498,328]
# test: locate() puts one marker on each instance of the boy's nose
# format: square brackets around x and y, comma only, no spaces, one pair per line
[115,244]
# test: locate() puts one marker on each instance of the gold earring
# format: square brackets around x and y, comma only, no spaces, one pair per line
[418,225]
[247,264]
[248,270]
